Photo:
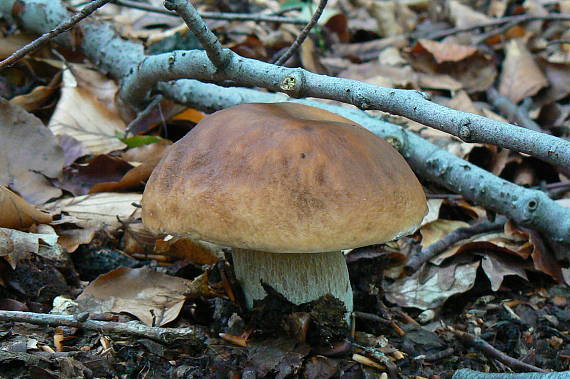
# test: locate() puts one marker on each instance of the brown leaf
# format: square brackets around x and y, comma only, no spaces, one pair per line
[9,44]
[441,283]
[476,71]
[29,154]
[79,179]
[446,52]
[39,95]
[86,111]
[464,16]
[154,298]
[310,57]
[149,155]
[131,180]
[497,266]
[16,246]
[438,229]
[98,210]
[70,239]
[72,149]
[521,77]
[196,251]
[17,213]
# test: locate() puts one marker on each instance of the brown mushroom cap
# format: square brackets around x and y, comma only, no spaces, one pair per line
[283,178]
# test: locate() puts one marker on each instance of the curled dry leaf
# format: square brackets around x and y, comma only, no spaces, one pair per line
[196,251]
[17,213]
[39,95]
[29,155]
[433,211]
[102,210]
[70,239]
[80,178]
[149,155]
[154,298]
[519,63]
[474,70]
[441,283]
[496,266]
[16,246]
[446,52]
[86,112]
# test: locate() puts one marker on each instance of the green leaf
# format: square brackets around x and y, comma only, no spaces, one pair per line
[136,141]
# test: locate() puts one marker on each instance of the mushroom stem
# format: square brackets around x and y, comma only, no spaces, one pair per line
[299,277]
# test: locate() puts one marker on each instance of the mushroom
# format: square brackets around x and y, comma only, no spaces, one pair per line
[288,187]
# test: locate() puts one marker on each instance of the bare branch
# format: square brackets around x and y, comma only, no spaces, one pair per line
[208,40]
[304,33]
[417,260]
[512,20]
[492,352]
[215,15]
[511,110]
[61,28]
[134,328]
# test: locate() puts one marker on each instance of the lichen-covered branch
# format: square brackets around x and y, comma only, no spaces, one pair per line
[44,38]
[191,335]
[112,54]
[208,40]
[301,83]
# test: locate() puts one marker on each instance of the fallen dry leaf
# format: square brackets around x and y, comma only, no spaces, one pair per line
[446,52]
[17,213]
[29,155]
[39,95]
[196,251]
[153,297]
[442,283]
[521,77]
[71,239]
[438,229]
[433,211]
[9,44]
[97,122]
[80,178]
[464,16]
[149,155]
[496,266]
[16,246]
[98,210]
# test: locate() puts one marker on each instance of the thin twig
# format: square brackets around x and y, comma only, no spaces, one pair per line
[513,20]
[381,320]
[304,33]
[511,110]
[134,328]
[214,15]
[494,353]
[61,28]
[157,99]
[558,42]
[481,38]
[198,27]
[417,260]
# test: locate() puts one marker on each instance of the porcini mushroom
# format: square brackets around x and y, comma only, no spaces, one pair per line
[287,186]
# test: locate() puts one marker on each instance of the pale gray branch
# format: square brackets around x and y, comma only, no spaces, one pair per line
[192,335]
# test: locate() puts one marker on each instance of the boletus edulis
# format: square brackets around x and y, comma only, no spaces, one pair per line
[287,186]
